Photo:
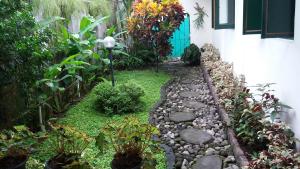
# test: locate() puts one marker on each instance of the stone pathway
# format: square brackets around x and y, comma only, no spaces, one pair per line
[190,124]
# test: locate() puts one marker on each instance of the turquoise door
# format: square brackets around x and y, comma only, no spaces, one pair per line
[181,38]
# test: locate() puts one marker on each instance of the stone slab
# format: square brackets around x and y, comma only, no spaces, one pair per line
[182,116]
[194,104]
[187,81]
[194,86]
[190,94]
[195,136]
[208,162]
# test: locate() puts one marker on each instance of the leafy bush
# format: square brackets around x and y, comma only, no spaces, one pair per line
[280,152]
[125,98]
[153,22]
[191,55]
[252,113]
[124,62]
[227,85]
[132,142]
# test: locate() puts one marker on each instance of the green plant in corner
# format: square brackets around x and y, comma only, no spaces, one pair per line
[199,21]
[132,142]
[253,112]
[192,55]
[281,149]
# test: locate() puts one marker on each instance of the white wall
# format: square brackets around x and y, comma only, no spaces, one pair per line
[203,35]
[260,60]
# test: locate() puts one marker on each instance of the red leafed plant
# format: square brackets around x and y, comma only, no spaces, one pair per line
[153,22]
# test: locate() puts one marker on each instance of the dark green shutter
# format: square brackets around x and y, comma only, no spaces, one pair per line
[279,18]
[252,17]
[216,15]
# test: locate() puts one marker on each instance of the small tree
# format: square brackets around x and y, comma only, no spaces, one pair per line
[153,22]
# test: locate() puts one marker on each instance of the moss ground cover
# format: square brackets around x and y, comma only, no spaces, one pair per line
[85,117]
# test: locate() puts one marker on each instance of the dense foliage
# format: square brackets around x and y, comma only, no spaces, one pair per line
[251,112]
[122,99]
[140,56]
[226,83]
[24,55]
[280,152]
[153,22]
[85,118]
[254,115]
[191,55]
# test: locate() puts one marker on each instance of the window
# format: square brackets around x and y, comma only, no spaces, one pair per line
[223,14]
[270,18]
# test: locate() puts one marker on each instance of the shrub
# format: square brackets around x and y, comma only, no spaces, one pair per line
[132,142]
[192,55]
[155,21]
[124,62]
[121,99]
[280,152]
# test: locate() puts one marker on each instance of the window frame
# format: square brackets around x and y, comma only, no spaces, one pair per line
[216,16]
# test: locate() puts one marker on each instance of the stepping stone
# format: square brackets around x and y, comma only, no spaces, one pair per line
[190,94]
[195,136]
[208,162]
[194,87]
[187,81]
[182,116]
[194,105]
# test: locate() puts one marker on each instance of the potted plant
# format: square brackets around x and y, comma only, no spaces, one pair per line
[69,146]
[15,147]
[132,142]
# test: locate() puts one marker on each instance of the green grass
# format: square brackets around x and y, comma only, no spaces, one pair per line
[85,118]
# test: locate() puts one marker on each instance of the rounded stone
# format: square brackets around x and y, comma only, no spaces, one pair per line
[195,136]
[190,94]
[208,162]
[194,104]
[182,116]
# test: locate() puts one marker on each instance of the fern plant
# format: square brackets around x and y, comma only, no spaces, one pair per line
[199,21]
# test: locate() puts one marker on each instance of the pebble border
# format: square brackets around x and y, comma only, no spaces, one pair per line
[237,150]
[167,149]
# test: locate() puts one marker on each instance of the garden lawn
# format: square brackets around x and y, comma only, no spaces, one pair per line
[85,118]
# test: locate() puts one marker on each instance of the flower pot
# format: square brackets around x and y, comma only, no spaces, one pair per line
[47,166]
[61,160]
[57,161]
[13,163]
[114,165]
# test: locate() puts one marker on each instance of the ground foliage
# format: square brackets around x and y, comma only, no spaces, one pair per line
[255,116]
[85,118]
